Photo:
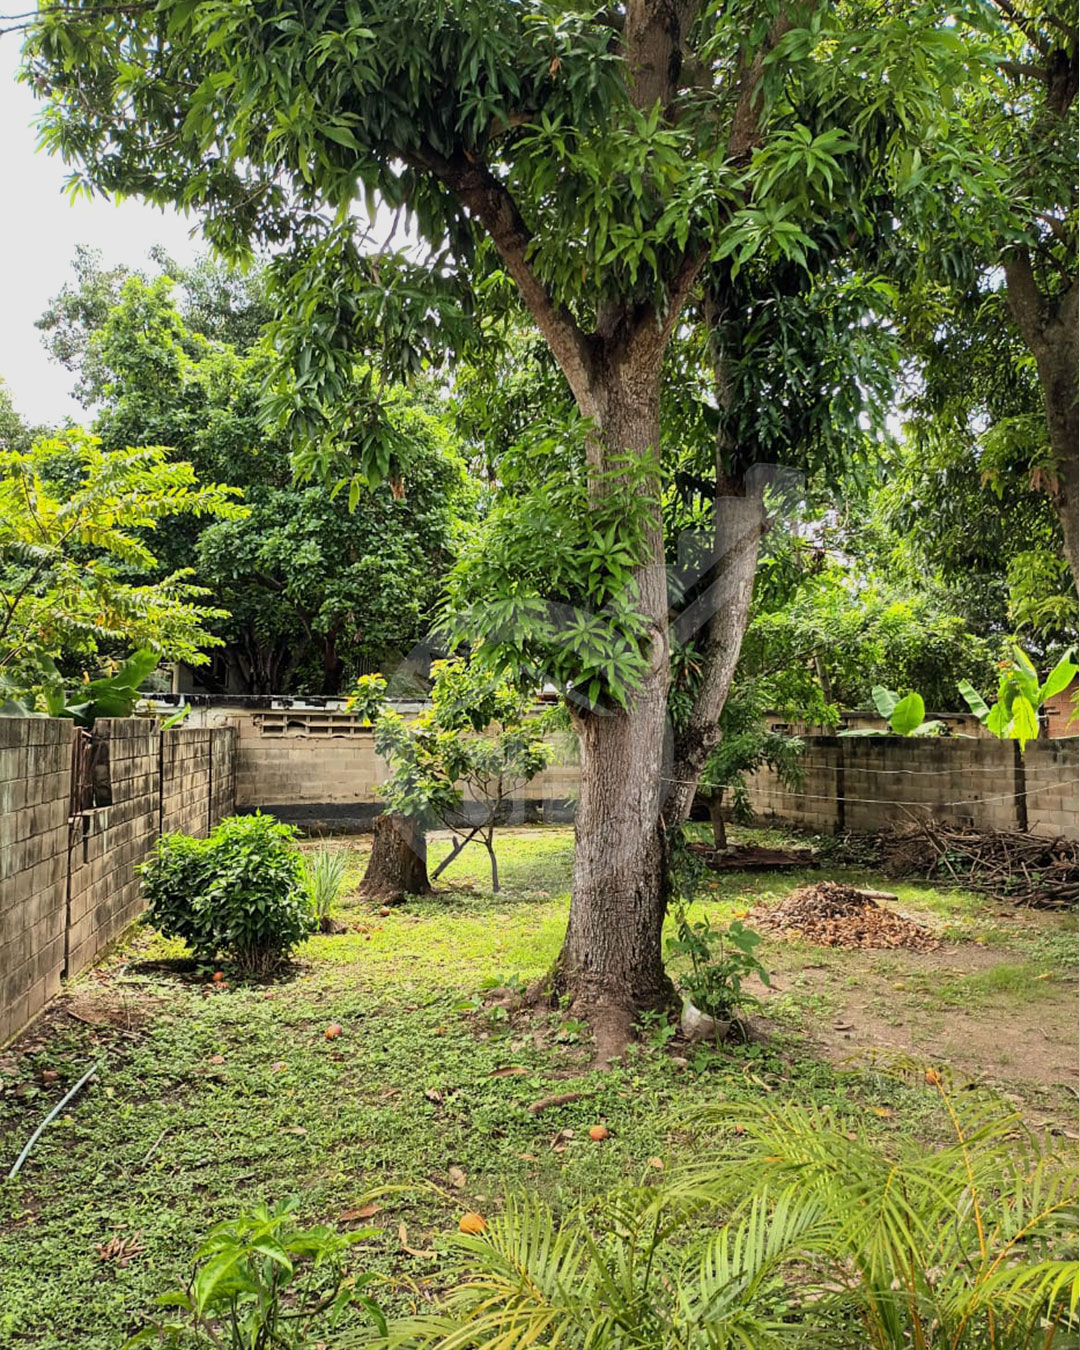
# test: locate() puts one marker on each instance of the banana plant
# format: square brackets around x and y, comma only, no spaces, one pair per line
[905,716]
[111,696]
[1015,715]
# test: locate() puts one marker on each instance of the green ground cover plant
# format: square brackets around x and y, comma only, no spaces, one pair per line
[210,1101]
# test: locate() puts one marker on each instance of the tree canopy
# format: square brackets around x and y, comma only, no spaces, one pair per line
[314,592]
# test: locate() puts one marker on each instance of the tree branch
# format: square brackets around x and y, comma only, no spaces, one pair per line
[490,202]
[1022,68]
[745,131]
[1022,293]
[1026,25]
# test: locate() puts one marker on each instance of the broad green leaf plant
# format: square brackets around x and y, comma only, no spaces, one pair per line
[1020,696]
[905,716]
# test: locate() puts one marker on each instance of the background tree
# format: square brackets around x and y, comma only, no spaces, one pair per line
[74,519]
[993,217]
[614,165]
[315,591]
[456,764]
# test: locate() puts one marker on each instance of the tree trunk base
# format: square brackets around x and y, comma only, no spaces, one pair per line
[398,863]
[612,1018]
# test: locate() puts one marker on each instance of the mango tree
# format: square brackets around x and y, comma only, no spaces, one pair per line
[620,167]
[456,764]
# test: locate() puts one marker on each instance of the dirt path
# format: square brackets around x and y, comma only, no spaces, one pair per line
[988,1012]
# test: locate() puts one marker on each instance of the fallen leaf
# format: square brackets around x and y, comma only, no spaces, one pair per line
[51,1075]
[509,1071]
[122,1250]
[403,1238]
[364,1212]
[843,1026]
[560,1099]
[457,1177]
[658,1163]
[217,1059]
[279,1066]
[294,1129]
[882,1111]
[433,1095]
[527,1157]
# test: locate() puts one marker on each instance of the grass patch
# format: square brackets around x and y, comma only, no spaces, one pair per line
[210,1100]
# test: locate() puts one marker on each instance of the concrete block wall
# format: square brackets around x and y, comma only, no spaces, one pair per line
[863,784]
[186,777]
[67,881]
[109,841]
[35,797]
[319,768]
[1050,770]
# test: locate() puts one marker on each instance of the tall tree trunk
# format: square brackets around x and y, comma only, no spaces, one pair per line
[612,959]
[398,863]
[718,611]
[1050,330]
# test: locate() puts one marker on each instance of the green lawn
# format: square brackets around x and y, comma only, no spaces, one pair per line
[210,1099]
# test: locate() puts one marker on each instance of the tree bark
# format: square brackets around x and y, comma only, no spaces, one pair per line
[715,803]
[398,863]
[612,958]
[1050,330]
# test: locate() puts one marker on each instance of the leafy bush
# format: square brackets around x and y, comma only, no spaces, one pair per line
[325,875]
[262,1283]
[804,1233]
[238,894]
[720,960]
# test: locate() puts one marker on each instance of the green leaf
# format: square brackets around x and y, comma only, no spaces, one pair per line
[1025,721]
[908,715]
[884,700]
[1059,678]
[974,700]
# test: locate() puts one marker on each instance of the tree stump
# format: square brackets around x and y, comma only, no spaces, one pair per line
[398,863]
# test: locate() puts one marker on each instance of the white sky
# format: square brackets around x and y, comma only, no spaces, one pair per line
[39,229]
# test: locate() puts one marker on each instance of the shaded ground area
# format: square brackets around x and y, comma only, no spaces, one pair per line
[209,1099]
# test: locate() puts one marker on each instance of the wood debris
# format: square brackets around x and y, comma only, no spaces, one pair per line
[1028,869]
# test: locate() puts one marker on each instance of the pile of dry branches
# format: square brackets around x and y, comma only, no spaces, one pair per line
[1028,869]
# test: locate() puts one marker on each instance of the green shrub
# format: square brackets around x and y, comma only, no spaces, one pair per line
[239,894]
[325,875]
[262,1283]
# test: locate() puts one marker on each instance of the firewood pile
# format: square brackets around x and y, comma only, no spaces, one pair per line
[1028,869]
[836,915]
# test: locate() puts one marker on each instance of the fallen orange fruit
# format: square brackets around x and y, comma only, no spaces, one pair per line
[219,977]
[332,1032]
[599,1132]
[471,1223]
